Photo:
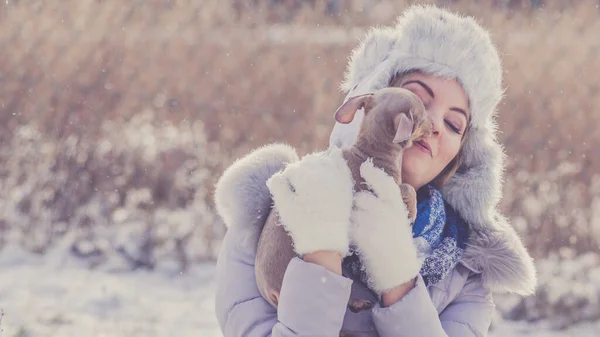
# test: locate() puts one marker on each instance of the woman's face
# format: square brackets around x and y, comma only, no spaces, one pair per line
[447,106]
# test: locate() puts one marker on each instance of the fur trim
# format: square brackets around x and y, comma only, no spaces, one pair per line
[476,188]
[440,43]
[502,259]
[241,194]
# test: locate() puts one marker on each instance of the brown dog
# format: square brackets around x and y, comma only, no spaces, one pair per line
[394,119]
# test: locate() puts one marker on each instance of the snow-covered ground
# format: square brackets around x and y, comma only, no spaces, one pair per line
[57,296]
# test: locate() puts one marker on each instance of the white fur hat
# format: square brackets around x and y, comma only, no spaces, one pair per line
[435,41]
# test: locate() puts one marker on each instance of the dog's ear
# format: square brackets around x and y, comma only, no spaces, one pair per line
[345,113]
[403,129]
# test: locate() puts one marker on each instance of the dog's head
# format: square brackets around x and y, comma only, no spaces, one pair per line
[393,114]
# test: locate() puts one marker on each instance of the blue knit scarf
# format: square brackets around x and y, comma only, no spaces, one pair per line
[440,236]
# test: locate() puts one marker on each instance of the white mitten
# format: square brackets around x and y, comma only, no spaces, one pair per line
[382,233]
[314,199]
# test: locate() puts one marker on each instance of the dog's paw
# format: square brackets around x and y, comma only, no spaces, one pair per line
[409,195]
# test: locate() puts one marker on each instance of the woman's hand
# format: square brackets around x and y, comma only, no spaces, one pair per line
[394,295]
[314,199]
[382,233]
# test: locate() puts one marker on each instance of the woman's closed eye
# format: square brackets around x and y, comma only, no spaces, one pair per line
[453,126]
[455,120]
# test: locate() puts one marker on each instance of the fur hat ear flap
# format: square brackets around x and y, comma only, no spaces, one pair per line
[241,195]
[476,188]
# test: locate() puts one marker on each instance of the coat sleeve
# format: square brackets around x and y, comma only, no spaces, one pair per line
[468,315]
[312,302]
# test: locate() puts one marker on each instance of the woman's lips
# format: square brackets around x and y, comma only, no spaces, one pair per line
[423,147]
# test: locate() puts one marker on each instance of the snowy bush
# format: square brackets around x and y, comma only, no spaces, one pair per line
[555,210]
[568,292]
[139,193]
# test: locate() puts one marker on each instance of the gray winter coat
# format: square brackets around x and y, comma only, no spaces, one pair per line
[314,301]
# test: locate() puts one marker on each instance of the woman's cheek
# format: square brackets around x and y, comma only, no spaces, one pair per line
[449,150]
[412,167]
[408,160]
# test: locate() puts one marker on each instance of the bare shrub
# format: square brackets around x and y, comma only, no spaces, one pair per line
[568,292]
[138,191]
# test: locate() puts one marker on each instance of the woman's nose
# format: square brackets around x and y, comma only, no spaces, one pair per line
[437,124]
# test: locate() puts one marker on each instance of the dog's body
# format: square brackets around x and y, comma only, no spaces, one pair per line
[394,119]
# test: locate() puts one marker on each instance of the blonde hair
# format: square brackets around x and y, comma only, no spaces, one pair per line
[450,169]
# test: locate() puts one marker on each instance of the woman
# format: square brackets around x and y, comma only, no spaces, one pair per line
[440,286]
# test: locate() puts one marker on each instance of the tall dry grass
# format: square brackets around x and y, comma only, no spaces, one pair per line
[82,76]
